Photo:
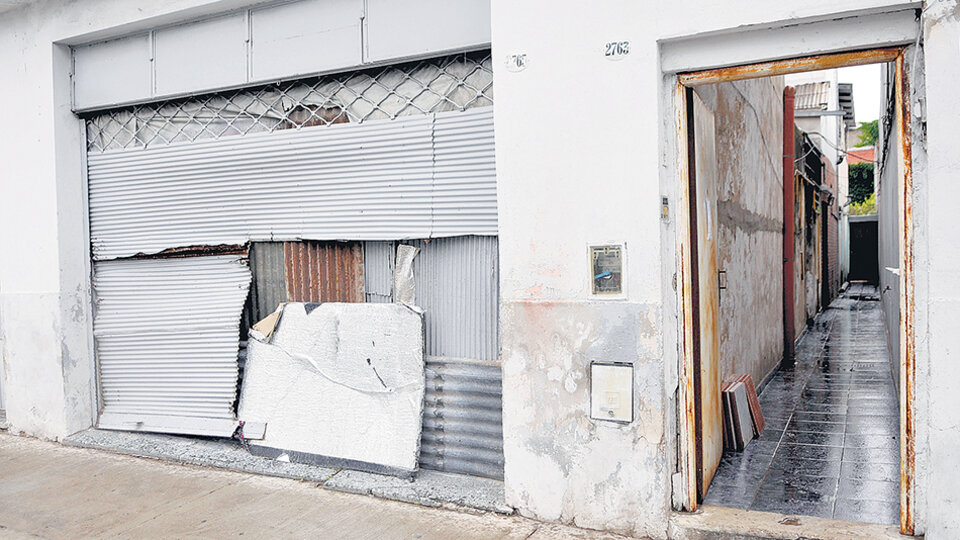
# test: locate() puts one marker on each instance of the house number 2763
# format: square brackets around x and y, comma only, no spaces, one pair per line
[615,50]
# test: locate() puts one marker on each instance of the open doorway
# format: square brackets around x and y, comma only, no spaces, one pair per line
[765,249]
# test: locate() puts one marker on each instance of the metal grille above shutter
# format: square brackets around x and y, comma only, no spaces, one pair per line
[166,332]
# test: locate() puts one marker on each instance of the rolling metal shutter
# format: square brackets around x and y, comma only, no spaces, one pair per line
[167,336]
[415,177]
[413,158]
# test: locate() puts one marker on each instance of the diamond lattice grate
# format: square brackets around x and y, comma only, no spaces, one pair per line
[449,83]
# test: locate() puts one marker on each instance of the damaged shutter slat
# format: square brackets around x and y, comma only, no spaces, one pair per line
[166,332]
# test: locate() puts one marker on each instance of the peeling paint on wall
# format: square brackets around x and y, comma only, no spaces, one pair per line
[560,464]
[749,127]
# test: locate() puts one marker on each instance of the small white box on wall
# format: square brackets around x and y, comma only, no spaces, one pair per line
[611,392]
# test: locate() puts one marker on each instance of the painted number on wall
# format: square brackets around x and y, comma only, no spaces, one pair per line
[616,50]
[516,62]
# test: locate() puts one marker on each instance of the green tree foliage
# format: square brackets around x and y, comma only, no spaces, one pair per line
[868,206]
[868,133]
[861,182]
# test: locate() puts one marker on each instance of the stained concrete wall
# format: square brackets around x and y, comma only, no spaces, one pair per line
[586,148]
[935,117]
[749,138]
[887,186]
[45,296]
[568,178]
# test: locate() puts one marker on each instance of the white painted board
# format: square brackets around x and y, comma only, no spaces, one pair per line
[402,28]
[305,37]
[112,72]
[340,385]
[201,56]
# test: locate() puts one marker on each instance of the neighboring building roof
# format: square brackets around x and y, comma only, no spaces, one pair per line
[813,96]
[861,155]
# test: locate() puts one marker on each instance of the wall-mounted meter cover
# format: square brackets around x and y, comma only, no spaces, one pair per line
[606,266]
[611,392]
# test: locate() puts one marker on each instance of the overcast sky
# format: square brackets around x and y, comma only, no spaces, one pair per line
[866,90]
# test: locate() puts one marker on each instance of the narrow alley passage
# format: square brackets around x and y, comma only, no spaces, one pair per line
[830,446]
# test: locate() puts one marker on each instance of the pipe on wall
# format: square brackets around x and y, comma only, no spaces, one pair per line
[789,95]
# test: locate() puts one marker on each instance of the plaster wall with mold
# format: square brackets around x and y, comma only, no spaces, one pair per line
[749,130]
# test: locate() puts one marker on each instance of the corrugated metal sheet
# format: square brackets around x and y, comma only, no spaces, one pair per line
[457,287]
[812,96]
[462,418]
[378,262]
[465,177]
[324,271]
[166,333]
[372,181]
[269,287]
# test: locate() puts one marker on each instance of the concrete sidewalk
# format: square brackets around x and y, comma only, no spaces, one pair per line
[51,491]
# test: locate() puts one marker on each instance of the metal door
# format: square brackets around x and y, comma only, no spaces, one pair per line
[711,426]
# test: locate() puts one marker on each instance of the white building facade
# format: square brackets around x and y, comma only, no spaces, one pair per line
[568,176]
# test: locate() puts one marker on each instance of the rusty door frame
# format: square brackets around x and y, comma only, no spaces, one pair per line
[688,431]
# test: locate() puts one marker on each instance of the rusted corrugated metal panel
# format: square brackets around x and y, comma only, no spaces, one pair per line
[324,271]
[378,262]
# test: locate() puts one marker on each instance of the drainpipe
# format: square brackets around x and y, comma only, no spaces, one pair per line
[789,95]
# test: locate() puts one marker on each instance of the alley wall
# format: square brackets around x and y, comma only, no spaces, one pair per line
[749,140]
[888,185]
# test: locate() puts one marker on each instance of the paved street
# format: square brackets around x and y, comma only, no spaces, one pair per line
[51,491]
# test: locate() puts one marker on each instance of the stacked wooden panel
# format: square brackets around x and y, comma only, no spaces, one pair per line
[742,417]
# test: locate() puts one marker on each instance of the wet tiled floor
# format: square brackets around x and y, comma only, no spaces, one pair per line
[830,445]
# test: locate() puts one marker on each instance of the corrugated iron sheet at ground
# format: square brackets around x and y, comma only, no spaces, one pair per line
[462,418]
[166,334]
[458,288]
[415,177]
[324,271]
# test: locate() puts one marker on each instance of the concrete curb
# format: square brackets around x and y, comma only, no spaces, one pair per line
[429,488]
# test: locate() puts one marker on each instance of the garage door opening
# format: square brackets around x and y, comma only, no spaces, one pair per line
[769,301]
[209,211]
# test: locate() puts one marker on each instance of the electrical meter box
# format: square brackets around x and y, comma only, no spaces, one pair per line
[606,268]
[611,392]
